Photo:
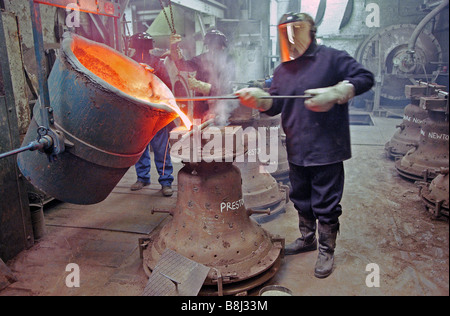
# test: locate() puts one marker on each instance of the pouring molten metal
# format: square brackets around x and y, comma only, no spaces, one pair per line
[122,76]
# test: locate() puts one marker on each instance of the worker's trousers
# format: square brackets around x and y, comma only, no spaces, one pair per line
[163,163]
[317,191]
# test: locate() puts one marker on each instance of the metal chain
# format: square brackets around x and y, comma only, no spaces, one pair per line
[171,25]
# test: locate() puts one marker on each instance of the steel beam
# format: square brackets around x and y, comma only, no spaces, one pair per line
[101,7]
[16,232]
[209,7]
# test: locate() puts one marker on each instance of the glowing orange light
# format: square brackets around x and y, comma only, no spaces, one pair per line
[130,78]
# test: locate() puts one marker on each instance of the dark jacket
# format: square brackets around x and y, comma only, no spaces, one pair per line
[157,64]
[217,70]
[315,139]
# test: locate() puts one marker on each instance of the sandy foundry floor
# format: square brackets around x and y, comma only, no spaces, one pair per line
[384,222]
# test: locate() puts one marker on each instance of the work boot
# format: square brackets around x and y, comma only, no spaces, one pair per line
[327,244]
[307,242]
[139,185]
[167,190]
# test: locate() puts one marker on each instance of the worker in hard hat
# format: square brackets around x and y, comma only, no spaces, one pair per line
[317,130]
[214,69]
[142,43]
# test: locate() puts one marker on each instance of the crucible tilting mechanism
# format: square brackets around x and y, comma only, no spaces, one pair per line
[92,88]
[210,223]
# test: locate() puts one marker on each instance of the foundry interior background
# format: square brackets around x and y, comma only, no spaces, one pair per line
[396,199]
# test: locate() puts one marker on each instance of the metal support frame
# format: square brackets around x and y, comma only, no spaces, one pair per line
[50,140]
[102,7]
[15,221]
[209,7]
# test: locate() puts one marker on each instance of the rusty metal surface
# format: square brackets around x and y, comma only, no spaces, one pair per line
[16,233]
[106,129]
[425,161]
[15,225]
[261,190]
[102,7]
[408,134]
[393,41]
[435,195]
[175,275]
[210,225]
[243,287]
[17,74]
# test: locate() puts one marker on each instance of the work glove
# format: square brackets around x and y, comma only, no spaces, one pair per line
[199,86]
[175,51]
[147,67]
[252,98]
[325,98]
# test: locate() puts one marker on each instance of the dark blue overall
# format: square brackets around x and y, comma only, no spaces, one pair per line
[317,143]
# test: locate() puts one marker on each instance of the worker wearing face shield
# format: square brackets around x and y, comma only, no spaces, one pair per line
[214,69]
[317,129]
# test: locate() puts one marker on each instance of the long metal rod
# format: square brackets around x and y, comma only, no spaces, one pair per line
[31,146]
[43,143]
[235,97]
[16,151]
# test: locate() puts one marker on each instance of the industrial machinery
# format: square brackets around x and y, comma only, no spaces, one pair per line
[400,53]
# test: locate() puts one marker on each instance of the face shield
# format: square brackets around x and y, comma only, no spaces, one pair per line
[295,39]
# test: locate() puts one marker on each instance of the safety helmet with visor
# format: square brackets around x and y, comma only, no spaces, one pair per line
[141,41]
[215,39]
[296,32]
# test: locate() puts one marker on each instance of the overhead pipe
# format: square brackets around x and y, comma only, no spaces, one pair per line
[422,24]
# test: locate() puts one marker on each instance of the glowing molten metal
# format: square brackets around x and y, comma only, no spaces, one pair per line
[125,76]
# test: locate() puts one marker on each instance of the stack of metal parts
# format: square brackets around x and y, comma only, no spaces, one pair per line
[425,160]
[266,196]
[211,226]
[428,161]
[435,195]
[408,133]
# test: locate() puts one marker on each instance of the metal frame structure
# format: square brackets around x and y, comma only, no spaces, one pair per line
[15,221]
[96,7]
